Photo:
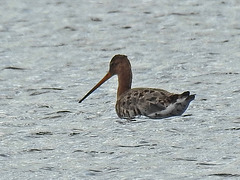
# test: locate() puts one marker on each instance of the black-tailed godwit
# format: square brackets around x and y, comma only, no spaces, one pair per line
[150,102]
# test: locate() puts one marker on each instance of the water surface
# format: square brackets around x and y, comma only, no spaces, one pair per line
[53,52]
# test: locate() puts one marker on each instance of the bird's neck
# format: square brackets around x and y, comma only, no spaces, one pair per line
[124,82]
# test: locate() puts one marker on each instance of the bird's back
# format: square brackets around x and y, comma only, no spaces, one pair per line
[153,103]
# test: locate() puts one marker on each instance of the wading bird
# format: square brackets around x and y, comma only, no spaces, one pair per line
[150,102]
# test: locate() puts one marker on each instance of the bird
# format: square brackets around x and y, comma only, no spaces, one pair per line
[135,102]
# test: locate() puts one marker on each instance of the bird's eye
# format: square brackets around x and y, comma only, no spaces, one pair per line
[114,64]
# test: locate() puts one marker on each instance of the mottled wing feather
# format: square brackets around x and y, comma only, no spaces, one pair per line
[142,101]
[153,103]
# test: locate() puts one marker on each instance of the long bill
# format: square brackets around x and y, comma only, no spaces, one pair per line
[105,78]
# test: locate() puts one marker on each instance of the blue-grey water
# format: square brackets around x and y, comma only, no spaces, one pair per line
[53,52]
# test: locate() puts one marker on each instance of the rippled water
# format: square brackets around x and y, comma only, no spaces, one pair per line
[53,52]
